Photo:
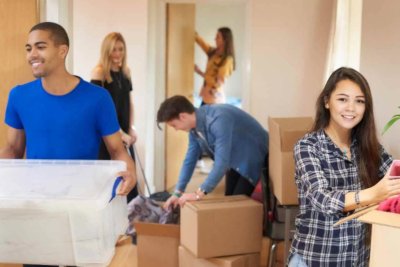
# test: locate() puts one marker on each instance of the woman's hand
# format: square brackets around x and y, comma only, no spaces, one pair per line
[385,188]
[198,70]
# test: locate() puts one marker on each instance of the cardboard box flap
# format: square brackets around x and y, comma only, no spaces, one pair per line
[227,202]
[156,229]
[356,214]
[285,132]
[245,260]
[381,217]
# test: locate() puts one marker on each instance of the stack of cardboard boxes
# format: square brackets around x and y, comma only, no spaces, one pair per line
[219,232]
[283,135]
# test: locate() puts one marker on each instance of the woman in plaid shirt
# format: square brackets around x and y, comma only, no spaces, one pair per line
[340,166]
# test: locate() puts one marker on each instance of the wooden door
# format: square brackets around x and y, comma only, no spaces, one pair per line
[179,79]
[16,19]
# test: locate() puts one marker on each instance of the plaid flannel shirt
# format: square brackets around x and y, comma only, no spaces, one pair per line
[323,176]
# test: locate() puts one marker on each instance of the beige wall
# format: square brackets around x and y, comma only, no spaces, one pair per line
[380,63]
[288,54]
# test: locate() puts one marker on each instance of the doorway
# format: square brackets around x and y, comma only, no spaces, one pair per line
[17,17]
[207,22]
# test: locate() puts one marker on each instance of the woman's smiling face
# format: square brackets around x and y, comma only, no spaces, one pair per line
[346,105]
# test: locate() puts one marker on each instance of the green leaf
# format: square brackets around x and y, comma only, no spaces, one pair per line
[391,122]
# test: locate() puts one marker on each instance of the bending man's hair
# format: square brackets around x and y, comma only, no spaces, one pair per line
[172,107]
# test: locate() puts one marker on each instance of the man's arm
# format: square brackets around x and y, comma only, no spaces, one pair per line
[118,152]
[15,144]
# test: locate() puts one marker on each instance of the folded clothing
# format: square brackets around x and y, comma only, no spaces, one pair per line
[390,205]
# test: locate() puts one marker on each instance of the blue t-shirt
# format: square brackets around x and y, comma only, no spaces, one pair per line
[69,126]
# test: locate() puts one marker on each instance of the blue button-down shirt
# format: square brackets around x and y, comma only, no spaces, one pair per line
[233,138]
[323,176]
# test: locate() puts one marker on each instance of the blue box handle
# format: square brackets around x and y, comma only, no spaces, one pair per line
[114,189]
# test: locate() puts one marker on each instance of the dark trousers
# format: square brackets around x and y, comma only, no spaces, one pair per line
[201,154]
[235,184]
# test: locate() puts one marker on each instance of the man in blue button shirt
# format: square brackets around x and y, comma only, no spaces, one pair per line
[236,142]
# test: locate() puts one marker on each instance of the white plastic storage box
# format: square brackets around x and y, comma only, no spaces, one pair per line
[58,212]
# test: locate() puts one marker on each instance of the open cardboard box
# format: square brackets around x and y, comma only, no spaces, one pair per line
[283,135]
[385,229]
[157,244]
[385,235]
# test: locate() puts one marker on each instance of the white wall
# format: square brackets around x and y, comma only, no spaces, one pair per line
[380,64]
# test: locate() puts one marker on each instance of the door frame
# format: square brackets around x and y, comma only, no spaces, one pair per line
[155,147]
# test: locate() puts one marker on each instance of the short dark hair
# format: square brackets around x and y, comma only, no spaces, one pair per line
[172,107]
[57,33]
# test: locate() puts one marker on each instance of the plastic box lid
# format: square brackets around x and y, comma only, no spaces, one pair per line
[54,184]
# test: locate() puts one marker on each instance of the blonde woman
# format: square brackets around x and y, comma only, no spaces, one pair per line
[113,74]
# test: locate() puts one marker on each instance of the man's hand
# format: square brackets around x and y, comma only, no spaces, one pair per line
[187,197]
[128,182]
[171,201]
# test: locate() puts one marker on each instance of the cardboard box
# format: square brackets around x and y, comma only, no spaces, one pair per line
[187,259]
[157,244]
[222,226]
[385,235]
[283,135]
[385,238]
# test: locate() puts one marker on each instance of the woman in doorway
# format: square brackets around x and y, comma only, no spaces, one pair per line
[113,74]
[339,167]
[220,65]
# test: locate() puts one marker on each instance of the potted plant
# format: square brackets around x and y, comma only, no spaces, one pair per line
[391,122]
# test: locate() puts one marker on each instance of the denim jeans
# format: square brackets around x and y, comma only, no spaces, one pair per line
[297,261]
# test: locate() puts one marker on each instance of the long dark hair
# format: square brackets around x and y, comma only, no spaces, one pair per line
[364,132]
[229,49]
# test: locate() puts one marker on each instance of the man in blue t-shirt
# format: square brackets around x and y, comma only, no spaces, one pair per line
[58,115]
